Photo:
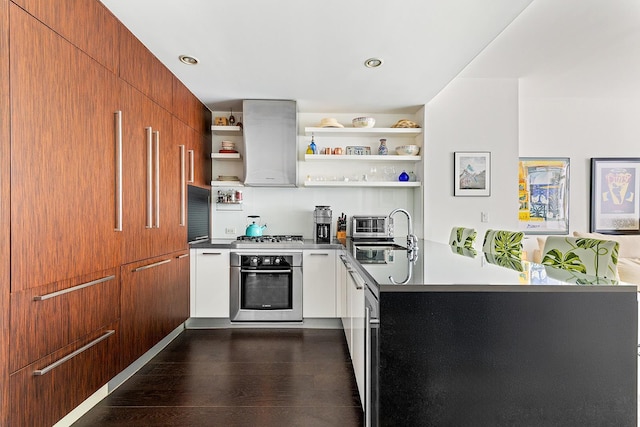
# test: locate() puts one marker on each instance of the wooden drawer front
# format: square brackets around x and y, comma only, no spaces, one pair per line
[77,21]
[41,399]
[48,318]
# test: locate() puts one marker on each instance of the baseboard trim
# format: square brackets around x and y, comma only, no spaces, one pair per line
[224,323]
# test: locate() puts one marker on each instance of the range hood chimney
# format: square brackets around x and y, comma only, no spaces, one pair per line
[270,143]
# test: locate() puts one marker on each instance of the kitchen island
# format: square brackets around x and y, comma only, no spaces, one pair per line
[465,342]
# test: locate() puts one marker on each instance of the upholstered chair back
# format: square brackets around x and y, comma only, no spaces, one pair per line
[462,237]
[503,243]
[594,257]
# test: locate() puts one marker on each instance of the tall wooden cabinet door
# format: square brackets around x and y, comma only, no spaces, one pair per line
[198,157]
[4,209]
[64,179]
[152,180]
[85,23]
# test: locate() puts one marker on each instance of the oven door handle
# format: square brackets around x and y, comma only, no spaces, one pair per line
[266,271]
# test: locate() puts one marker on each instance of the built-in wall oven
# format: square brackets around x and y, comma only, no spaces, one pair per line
[265,287]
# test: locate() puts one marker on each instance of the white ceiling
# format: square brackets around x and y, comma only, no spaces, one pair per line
[314,52]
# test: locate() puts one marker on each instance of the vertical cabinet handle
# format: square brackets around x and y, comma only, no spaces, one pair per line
[118,129]
[157,138]
[192,167]
[183,186]
[149,177]
[367,367]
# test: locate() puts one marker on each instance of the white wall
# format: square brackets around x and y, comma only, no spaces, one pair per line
[472,115]
[578,127]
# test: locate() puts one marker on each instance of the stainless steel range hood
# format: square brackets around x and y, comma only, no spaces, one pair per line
[270,143]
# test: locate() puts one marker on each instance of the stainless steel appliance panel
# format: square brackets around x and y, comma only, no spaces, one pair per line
[371,227]
[265,287]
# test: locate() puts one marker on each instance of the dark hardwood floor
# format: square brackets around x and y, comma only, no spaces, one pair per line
[239,377]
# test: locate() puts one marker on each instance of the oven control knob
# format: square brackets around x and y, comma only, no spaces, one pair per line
[277,260]
[253,262]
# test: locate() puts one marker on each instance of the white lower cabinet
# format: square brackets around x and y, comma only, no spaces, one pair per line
[210,283]
[319,283]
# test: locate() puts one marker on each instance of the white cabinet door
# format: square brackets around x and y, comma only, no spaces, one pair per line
[319,283]
[356,286]
[210,283]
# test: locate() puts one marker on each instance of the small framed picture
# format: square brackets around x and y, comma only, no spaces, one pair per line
[472,173]
[615,208]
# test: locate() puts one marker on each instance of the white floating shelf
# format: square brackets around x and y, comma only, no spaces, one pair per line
[226,156]
[226,130]
[361,184]
[362,158]
[227,184]
[363,131]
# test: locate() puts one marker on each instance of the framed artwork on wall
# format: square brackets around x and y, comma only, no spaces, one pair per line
[543,195]
[472,173]
[614,195]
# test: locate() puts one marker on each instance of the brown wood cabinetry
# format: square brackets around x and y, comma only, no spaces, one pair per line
[153,182]
[143,70]
[189,109]
[198,164]
[48,389]
[63,169]
[155,300]
[48,318]
[5,167]
[68,113]
[91,28]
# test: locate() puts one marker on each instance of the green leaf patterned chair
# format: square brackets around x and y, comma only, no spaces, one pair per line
[503,243]
[463,237]
[593,257]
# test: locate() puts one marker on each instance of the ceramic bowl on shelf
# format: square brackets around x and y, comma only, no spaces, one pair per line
[363,122]
[228,145]
[408,150]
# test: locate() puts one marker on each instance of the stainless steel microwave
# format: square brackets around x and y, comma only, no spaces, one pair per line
[371,227]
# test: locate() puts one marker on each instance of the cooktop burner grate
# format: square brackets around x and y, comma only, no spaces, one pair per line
[276,238]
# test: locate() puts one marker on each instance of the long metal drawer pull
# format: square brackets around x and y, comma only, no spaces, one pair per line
[211,253]
[183,186]
[155,264]
[317,254]
[265,271]
[206,236]
[149,177]
[72,289]
[74,354]
[157,135]
[357,280]
[367,367]
[192,166]
[182,256]
[118,129]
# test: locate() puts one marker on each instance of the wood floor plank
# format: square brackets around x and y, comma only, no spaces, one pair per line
[239,377]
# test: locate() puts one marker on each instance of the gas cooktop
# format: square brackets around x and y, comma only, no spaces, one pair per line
[276,238]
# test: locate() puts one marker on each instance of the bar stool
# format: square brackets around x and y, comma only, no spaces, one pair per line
[503,243]
[593,257]
[463,237]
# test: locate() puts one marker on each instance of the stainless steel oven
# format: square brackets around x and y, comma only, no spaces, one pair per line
[266,287]
[371,227]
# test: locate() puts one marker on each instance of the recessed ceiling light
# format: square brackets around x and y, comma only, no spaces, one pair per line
[373,62]
[189,60]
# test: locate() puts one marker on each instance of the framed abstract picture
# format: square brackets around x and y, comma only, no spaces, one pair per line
[614,195]
[543,195]
[472,173]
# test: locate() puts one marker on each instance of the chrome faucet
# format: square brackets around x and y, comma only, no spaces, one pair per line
[412,240]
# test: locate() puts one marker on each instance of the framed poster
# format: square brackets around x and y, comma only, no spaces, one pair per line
[543,195]
[614,195]
[472,173]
